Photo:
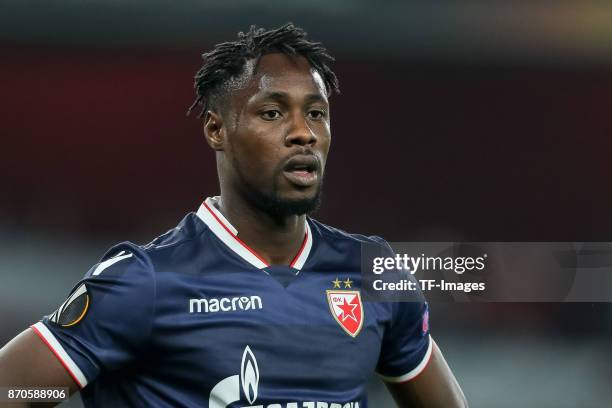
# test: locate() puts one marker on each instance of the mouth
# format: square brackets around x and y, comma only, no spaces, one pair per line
[302,170]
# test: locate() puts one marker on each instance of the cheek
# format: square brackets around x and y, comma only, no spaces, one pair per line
[256,154]
[325,144]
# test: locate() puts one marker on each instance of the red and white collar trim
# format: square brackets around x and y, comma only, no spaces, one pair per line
[226,232]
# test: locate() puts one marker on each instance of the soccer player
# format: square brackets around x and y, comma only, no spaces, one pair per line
[248,301]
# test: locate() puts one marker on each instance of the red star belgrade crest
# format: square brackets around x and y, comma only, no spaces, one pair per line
[346,307]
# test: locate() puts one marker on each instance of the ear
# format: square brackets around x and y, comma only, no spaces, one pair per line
[214,131]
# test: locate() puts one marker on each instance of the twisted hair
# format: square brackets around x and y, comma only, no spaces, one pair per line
[227,61]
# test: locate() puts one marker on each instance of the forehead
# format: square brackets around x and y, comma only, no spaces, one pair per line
[280,73]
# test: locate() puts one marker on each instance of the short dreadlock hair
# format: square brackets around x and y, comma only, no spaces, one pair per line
[227,61]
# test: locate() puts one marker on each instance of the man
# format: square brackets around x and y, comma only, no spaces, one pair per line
[247,302]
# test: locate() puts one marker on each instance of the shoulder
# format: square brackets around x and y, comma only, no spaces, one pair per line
[128,255]
[335,234]
[179,246]
[340,247]
[119,259]
[189,229]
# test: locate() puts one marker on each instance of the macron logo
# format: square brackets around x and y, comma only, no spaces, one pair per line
[225,304]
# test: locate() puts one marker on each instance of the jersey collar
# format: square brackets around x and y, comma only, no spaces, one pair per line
[228,234]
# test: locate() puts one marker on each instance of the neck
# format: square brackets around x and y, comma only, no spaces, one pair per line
[275,239]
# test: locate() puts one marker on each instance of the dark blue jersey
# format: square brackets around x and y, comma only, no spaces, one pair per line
[198,319]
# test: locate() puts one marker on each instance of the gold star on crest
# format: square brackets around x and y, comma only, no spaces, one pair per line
[337,283]
[347,283]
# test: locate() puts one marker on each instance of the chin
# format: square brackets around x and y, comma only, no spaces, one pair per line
[295,205]
[282,201]
[285,204]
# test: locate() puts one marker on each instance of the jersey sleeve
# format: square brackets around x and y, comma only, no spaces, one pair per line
[406,345]
[106,318]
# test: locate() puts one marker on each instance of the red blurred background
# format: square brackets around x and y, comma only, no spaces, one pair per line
[97,142]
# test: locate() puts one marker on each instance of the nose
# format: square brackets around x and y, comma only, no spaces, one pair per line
[300,132]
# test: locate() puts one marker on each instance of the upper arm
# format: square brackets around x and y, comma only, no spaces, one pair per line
[434,387]
[26,361]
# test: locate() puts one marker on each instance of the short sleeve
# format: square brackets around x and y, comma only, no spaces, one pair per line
[406,346]
[106,318]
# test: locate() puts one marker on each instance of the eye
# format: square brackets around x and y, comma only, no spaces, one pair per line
[316,114]
[271,114]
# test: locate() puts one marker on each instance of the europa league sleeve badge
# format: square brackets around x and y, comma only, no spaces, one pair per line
[73,309]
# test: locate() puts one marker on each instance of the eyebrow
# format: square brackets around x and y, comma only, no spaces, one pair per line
[284,96]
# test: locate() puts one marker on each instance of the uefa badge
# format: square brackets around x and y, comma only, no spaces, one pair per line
[425,319]
[347,309]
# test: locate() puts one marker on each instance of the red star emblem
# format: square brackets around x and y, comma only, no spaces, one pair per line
[348,310]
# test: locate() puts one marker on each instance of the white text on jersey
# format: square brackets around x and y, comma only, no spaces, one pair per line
[225,304]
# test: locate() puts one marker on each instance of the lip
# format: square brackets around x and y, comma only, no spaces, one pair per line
[302,162]
[302,170]
[302,178]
